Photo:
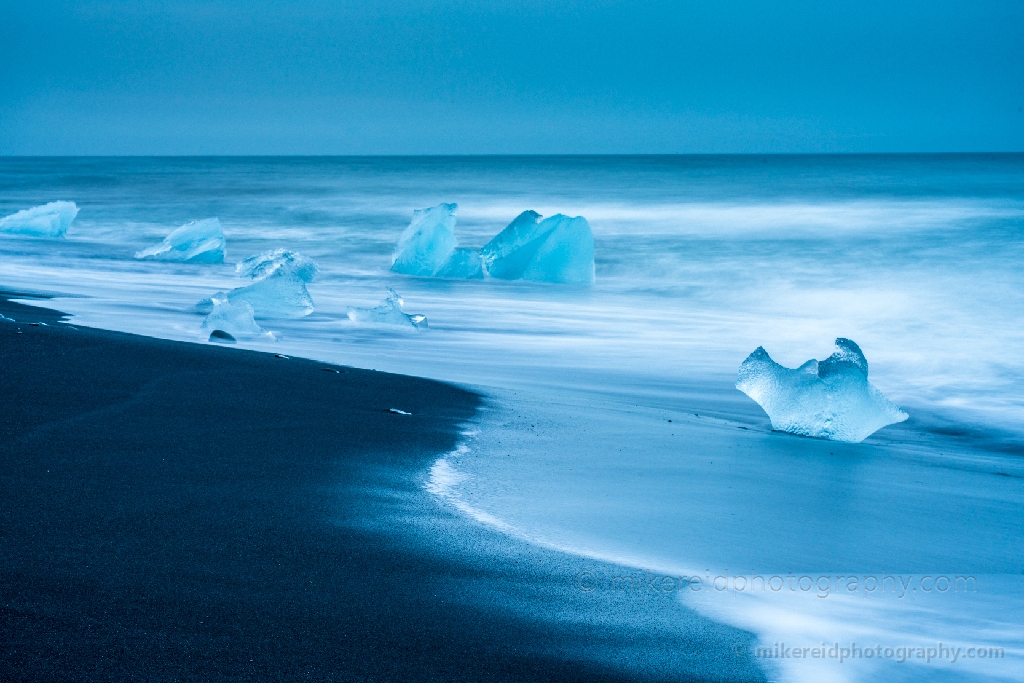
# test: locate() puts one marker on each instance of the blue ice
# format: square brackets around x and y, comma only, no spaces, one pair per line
[557,249]
[233,317]
[428,242]
[49,220]
[388,312]
[279,290]
[830,399]
[463,264]
[195,242]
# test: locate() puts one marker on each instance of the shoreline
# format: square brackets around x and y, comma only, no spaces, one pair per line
[183,511]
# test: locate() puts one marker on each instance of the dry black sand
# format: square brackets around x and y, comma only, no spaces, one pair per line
[182,512]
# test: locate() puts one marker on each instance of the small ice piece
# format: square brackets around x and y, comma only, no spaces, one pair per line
[389,312]
[831,399]
[271,262]
[196,242]
[428,242]
[49,220]
[557,249]
[396,411]
[463,264]
[6,319]
[234,318]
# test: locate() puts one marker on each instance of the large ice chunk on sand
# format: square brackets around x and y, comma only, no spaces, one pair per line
[428,242]
[195,242]
[280,287]
[388,312]
[831,399]
[234,318]
[557,249]
[49,220]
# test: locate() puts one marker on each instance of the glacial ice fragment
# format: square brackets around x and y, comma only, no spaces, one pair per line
[195,242]
[557,249]
[463,264]
[388,312]
[830,399]
[281,295]
[427,243]
[49,220]
[234,318]
[279,290]
[206,306]
[271,262]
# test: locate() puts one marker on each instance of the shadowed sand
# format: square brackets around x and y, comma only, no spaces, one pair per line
[186,512]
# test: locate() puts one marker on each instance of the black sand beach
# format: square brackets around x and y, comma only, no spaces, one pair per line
[181,512]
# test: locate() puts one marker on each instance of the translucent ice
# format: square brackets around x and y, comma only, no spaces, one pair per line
[463,264]
[388,312]
[831,399]
[557,249]
[196,242]
[206,306]
[233,317]
[272,262]
[428,242]
[280,287]
[49,220]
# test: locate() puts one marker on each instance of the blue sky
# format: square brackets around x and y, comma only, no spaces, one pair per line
[451,77]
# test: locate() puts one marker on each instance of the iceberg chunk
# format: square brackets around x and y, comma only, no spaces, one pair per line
[507,254]
[234,318]
[279,290]
[427,243]
[49,220]
[196,242]
[557,249]
[282,295]
[271,262]
[463,264]
[831,399]
[388,312]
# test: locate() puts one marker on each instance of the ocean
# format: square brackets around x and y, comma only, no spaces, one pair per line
[612,427]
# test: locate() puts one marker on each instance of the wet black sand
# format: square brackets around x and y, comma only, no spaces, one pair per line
[182,512]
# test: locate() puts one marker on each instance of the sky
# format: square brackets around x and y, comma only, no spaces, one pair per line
[513,77]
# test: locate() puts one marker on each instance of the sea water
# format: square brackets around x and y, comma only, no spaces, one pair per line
[612,427]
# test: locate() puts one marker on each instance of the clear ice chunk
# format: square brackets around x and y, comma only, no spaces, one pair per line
[281,295]
[234,318]
[428,242]
[49,220]
[463,264]
[830,399]
[388,312]
[196,242]
[557,249]
[271,262]
[279,290]
[206,306]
